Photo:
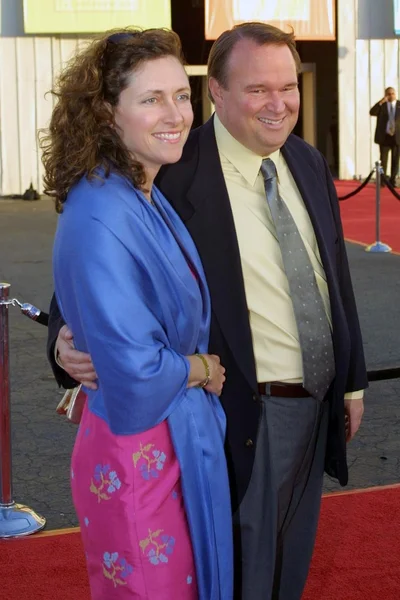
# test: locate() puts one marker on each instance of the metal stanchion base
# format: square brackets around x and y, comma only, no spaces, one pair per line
[378,247]
[17,520]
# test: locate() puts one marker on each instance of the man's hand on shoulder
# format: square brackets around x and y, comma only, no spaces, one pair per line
[77,364]
[353,410]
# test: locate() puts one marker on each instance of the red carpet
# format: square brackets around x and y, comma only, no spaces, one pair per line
[358,215]
[43,567]
[357,555]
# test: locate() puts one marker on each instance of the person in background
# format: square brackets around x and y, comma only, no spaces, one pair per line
[387,131]
[262,209]
[149,476]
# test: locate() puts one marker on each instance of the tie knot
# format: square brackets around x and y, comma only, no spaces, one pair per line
[268,169]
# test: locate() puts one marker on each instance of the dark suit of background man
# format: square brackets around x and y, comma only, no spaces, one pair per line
[387,132]
[279,435]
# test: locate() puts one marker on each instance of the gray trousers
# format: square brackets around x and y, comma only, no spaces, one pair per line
[276,523]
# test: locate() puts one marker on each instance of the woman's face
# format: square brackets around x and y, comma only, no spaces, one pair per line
[154,114]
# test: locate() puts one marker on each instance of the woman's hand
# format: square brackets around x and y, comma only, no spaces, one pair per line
[198,372]
[77,364]
[217,374]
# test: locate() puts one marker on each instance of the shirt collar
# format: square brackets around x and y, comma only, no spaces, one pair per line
[244,160]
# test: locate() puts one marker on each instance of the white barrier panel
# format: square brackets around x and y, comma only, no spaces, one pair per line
[28,68]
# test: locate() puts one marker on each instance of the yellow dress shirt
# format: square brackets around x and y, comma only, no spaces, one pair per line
[272,320]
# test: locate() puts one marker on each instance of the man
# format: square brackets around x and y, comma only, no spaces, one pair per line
[387,132]
[273,251]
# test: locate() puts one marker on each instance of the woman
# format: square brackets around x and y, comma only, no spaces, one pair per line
[149,478]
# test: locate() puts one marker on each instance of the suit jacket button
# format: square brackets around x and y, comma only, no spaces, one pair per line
[255,397]
[249,443]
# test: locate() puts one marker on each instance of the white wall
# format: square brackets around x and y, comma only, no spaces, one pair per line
[366,67]
[28,67]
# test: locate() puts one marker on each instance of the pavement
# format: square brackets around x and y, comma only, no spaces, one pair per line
[43,440]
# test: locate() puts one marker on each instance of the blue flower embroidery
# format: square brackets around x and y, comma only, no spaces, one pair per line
[115,483]
[147,472]
[86,521]
[151,461]
[104,482]
[160,456]
[155,558]
[126,569]
[116,568]
[170,543]
[110,559]
[158,549]
[101,470]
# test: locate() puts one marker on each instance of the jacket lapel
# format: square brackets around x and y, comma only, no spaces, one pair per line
[308,182]
[307,175]
[211,226]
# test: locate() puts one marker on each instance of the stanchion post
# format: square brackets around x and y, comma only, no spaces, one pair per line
[378,202]
[15,519]
[5,439]
[378,246]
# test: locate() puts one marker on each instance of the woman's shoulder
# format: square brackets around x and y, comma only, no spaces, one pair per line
[97,204]
[101,196]
[100,185]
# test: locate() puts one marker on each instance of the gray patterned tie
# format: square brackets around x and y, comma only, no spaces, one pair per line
[312,323]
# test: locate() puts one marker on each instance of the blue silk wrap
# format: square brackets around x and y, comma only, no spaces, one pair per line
[124,287]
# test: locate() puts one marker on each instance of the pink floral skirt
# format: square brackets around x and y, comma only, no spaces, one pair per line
[128,498]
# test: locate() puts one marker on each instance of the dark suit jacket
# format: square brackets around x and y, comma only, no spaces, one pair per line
[381,112]
[196,188]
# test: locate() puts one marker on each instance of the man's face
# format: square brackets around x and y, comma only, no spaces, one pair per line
[260,105]
[390,94]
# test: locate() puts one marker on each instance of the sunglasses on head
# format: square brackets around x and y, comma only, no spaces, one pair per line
[116,38]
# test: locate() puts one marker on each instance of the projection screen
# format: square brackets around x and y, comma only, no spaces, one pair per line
[90,16]
[310,19]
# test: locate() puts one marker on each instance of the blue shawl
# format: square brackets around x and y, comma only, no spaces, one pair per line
[123,285]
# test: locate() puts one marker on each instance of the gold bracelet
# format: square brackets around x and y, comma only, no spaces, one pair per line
[206,381]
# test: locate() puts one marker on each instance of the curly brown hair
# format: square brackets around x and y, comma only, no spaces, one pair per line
[82,136]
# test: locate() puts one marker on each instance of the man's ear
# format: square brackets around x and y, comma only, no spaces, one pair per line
[216,91]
